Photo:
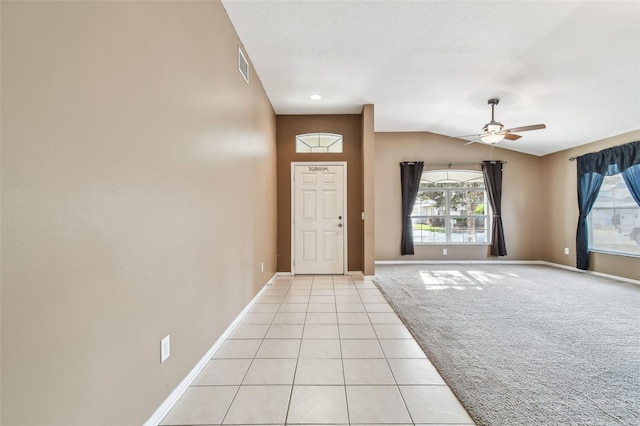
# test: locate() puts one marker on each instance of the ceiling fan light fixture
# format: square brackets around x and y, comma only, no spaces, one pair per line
[492,138]
[492,131]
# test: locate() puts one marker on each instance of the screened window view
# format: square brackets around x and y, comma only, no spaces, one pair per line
[451,207]
[614,220]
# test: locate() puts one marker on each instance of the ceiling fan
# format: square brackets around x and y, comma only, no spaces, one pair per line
[494,131]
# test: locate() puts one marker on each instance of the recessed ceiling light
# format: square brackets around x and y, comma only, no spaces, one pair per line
[315,97]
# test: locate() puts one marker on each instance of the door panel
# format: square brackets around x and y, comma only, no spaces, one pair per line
[330,205]
[309,205]
[330,242]
[309,246]
[318,219]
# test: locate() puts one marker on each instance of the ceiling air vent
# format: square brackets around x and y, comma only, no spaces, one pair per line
[243,66]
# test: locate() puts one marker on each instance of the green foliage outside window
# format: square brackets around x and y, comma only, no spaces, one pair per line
[450,207]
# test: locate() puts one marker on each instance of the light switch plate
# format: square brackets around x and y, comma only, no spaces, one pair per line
[165,348]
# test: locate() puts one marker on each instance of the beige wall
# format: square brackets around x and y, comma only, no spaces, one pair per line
[138,200]
[350,127]
[561,213]
[522,189]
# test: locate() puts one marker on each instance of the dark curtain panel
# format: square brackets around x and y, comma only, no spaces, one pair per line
[592,168]
[588,188]
[631,177]
[492,171]
[410,174]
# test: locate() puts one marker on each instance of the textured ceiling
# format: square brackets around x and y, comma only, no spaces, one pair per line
[432,65]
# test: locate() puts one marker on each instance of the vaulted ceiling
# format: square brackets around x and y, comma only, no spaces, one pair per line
[432,65]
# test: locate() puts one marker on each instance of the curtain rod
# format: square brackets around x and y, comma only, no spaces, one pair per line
[454,163]
[573,158]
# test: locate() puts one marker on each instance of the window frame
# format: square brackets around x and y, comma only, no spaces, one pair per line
[615,208]
[446,210]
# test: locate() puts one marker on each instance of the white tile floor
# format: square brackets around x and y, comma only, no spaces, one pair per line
[319,350]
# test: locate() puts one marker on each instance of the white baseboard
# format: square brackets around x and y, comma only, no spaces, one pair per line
[599,274]
[561,266]
[464,262]
[349,273]
[168,403]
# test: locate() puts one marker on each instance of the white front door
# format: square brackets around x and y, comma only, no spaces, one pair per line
[319,222]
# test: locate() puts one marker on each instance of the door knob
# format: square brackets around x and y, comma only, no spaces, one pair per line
[339,225]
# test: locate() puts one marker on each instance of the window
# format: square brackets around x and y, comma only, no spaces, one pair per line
[614,220]
[451,207]
[319,143]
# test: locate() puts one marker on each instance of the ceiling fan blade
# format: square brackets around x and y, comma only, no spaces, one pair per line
[512,137]
[469,136]
[526,128]
[472,141]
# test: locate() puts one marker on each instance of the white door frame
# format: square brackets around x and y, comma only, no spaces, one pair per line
[345,265]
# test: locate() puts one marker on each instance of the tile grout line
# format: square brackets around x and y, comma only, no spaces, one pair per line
[344,377]
[295,370]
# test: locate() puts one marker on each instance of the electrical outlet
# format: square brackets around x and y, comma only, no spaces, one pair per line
[566,250]
[165,348]
[444,252]
[261,266]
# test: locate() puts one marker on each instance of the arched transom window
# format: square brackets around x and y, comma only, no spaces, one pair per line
[319,143]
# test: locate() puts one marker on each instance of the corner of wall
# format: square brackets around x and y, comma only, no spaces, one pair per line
[369,164]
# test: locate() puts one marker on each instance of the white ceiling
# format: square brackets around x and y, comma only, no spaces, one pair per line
[432,65]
